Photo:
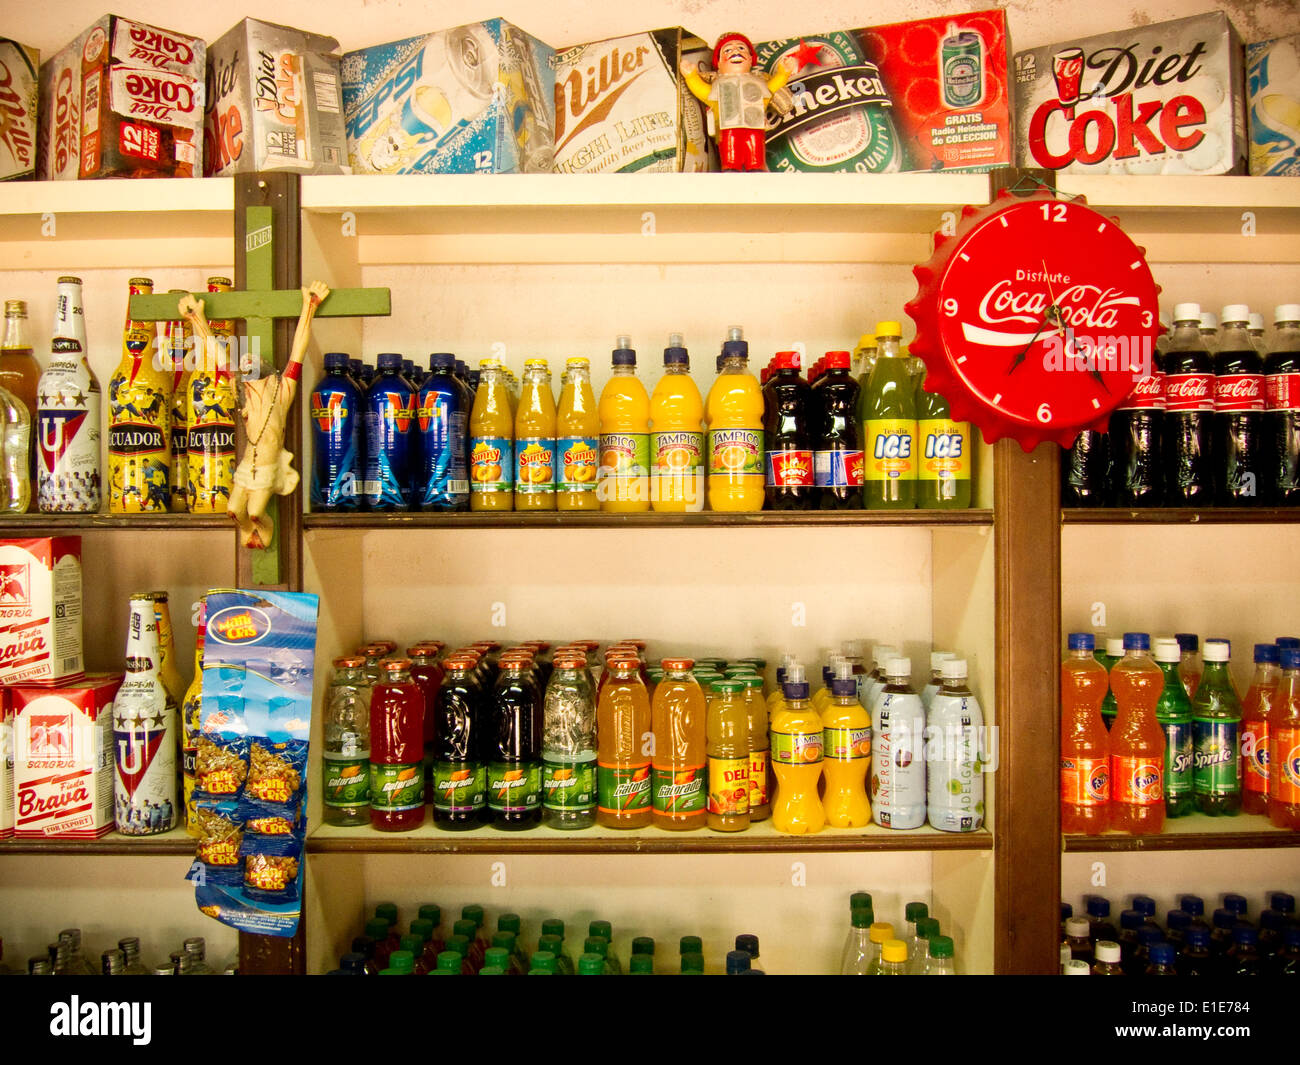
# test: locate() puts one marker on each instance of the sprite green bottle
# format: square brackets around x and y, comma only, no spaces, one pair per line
[943,471]
[889,426]
[1114,652]
[1174,712]
[1216,730]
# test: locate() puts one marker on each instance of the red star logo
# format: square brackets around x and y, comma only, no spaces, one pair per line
[806,54]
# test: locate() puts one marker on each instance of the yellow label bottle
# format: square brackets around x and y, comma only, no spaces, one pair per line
[577,444]
[735,413]
[796,736]
[728,747]
[624,481]
[210,406]
[760,789]
[846,753]
[535,440]
[676,437]
[174,343]
[491,443]
[139,412]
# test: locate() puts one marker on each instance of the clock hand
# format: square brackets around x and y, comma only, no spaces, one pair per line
[1025,351]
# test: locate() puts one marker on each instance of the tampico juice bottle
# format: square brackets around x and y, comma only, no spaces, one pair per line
[491,443]
[728,747]
[796,733]
[678,776]
[846,733]
[735,415]
[623,724]
[624,482]
[676,439]
[577,444]
[535,440]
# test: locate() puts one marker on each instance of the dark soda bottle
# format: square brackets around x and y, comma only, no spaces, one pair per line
[514,752]
[1136,432]
[1282,386]
[787,437]
[1194,957]
[837,462]
[459,776]
[1240,437]
[1189,413]
[1085,471]
[1243,958]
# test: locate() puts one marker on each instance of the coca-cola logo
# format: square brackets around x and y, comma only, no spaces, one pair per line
[1239,392]
[1147,394]
[159,48]
[1079,306]
[65,117]
[157,96]
[1094,135]
[1189,392]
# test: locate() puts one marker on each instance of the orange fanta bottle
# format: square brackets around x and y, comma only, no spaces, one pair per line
[1085,746]
[624,482]
[535,440]
[623,724]
[1284,746]
[678,788]
[735,414]
[796,736]
[1137,743]
[577,444]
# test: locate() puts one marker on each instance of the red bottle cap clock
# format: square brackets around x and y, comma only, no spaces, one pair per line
[1035,319]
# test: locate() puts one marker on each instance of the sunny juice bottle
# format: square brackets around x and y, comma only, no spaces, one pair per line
[796,736]
[846,737]
[624,481]
[728,753]
[577,443]
[1085,745]
[1284,746]
[678,779]
[491,443]
[676,438]
[535,429]
[622,772]
[735,417]
[1137,744]
[889,427]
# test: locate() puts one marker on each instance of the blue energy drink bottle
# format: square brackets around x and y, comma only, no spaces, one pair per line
[337,423]
[390,413]
[443,422]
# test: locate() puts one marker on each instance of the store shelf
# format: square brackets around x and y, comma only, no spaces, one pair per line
[177,841]
[596,520]
[1180,516]
[1196,832]
[759,838]
[40,524]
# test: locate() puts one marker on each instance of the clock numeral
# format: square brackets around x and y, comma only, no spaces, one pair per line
[950,307]
[1054,212]
[1146,319]
[1044,413]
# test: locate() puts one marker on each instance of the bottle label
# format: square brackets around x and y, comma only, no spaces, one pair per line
[1254,757]
[459,787]
[625,456]
[1180,759]
[346,782]
[1189,392]
[491,466]
[676,453]
[579,458]
[535,465]
[945,450]
[513,788]
[757,779]
[730,793]
[1239,392]
[68,419]
[1283,391]
[1136,781]
[1085,781]
[569,786]
[1147,394]
[890,454]
[1218,751]
[680,791]
[396,787]
[789,469]
[735,452]
[623,789]
[796,748]
[837,469]
[846,744]
[1285,785]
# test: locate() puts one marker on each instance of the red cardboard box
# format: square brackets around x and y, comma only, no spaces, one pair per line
[40,610]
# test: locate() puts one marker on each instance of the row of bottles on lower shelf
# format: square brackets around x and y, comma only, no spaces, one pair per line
[66,957]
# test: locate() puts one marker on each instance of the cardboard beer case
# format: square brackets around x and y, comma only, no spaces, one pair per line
[40,610]
[123,99]
[621,105]
[273,102]
[1273,84]
[6,764]
[19,89]
[474,99]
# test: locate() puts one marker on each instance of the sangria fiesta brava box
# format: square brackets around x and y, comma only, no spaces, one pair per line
[474,99]
[40,610]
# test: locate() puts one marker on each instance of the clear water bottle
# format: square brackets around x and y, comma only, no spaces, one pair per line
[15,473]
[345,763]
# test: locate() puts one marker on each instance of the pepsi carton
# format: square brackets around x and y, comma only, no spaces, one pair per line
[1273,83]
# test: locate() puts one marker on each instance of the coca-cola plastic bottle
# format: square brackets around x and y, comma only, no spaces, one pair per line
[1189,413]
[1240,444]
[788,437]
[1282,386]
[1136,429]
[1086,471]
[1209,331]
[1256,330]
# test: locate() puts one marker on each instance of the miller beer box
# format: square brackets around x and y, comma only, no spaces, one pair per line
[474,99]
[924,95]
[19,88]
[621,105]
[63,759]
[40,610]
[123,100]
[273,102]
[1160,99]
[1273,84]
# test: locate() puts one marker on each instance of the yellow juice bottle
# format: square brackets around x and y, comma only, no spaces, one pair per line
[735,417]
[760,787]
[796,737]
[577,444]
[728,747]
[535,440]
[846,747]
[622,769]
[624,480]
[491,443]
[676,437]
[678,778]
[821,698]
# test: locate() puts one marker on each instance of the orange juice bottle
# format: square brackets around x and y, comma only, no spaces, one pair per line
[623,725]
[728,747]
[577,444]
[624,481]
[676,440]
[846,733]
[1137,743]
[678,777]
[535,440]
[760,788]
[796,733]
[491,443]
[735,415]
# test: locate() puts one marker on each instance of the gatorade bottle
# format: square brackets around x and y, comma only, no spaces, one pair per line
[735,416]
[623,484]
[623,722]
[459,776]
[569,745]
[396,750]
[797,737]
[1216,727]
[787,437]
[955,778]
[1174,712]
[390,409]
[1137,745]
[337,429]
[1256,712]
[679,779]
[838,458]
[889,427]
[944,463]
[514,749]
[898,750]
[427,673]
[535,440]
[677,437]
[846,744]
[491,443]
[1284,746]
[728,754]
[1085,746]
[443,421]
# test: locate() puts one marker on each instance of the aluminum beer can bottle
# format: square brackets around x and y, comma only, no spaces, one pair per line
[172,345]
[144,733]
[139,426]
[210,406]
[68,414]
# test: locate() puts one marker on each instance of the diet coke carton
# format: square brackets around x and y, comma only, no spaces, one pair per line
[40,610]
[6,765]
[1160,99]
[63,759]
[19,66]
[1273,81]
[123,100]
